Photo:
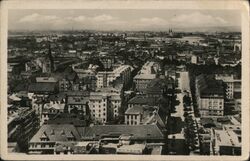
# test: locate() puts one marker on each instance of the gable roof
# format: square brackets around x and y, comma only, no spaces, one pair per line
[56,132]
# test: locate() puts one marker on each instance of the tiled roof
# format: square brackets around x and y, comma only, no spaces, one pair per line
[77,100]
[142,100]
[134,110]
[42,87]
[56,132]
[136,131]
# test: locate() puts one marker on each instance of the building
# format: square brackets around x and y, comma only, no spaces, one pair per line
[194,59]
[142,81]
[68,81]
[45,140]
[50,110]
[133,133]
[142,101]
[233,84]
[23,123]
[145,75]
[225,142]
[69,118]
[105,104]
[210,96]
[104,78]
[42,89]
[77,104]
[160,86]
[144,115]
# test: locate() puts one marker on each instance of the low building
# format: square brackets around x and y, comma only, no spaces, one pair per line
[42,89]
[225,142]
[144,115]
[77,104]
[136,133]
[142,100]
[50,110]
[46,139]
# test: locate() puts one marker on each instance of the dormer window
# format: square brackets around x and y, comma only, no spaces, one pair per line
[63,132]
[44,137]
[52,132]
[70,136]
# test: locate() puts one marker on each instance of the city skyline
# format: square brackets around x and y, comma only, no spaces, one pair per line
[125,20]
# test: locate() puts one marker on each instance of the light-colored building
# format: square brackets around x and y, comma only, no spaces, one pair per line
[105,104]
[139,115]
[46,139]
[50,110]
[194,59]
[104,78]
[210,96]
[225,142]
[142,81]
[145,75]
[233,84]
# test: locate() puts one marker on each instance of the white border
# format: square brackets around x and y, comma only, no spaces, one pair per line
[129,4]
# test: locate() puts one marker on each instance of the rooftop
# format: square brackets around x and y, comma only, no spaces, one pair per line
[136,131]
[42,87]
[142,100]
[55,133]
[226,138]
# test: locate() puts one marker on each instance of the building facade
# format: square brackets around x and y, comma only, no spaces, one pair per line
[104,78]
[210,96]
[105,104]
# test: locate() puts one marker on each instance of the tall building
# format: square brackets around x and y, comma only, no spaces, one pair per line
[104,78]
[233,84]
[145,75]
[209,95]
[105,104]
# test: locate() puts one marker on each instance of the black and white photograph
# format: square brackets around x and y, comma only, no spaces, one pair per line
[125,82]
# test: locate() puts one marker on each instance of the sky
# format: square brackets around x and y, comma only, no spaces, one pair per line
[126,19]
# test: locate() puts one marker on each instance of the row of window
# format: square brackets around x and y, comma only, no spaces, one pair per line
[41,145]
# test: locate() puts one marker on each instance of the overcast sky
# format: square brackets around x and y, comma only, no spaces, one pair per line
[94,19]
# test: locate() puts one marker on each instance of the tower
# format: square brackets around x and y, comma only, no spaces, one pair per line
[48,62]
